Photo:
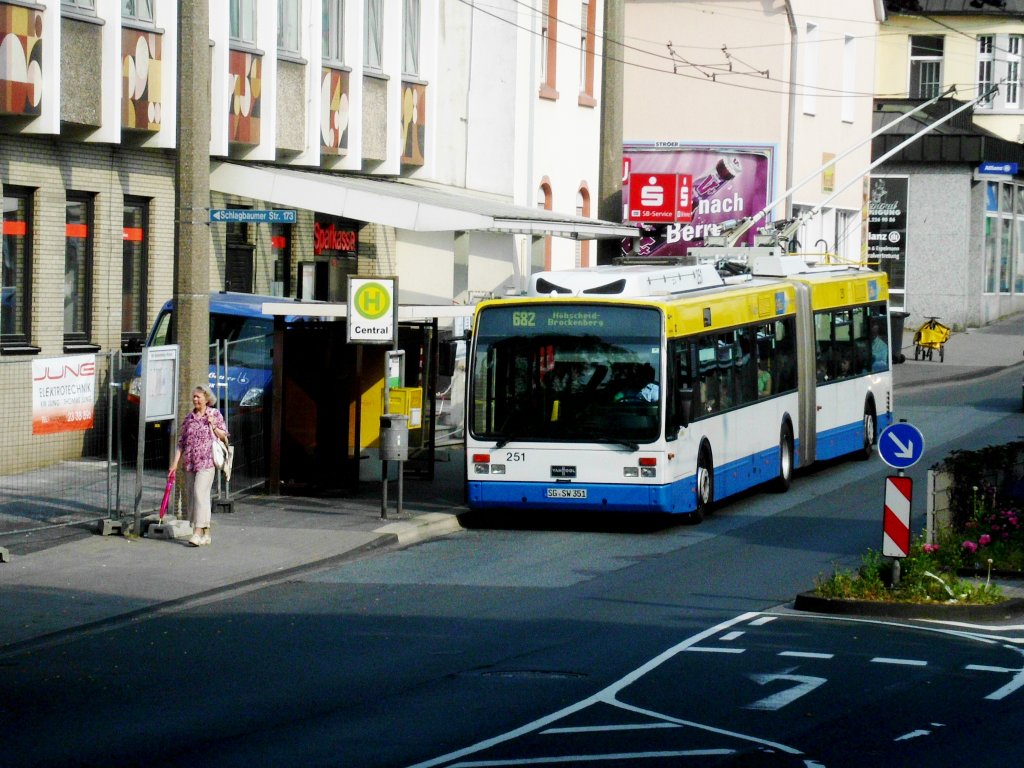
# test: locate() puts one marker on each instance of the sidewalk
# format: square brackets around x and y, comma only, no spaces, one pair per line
[90,580]
[968,354]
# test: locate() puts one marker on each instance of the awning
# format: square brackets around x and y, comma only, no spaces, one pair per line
[401,204]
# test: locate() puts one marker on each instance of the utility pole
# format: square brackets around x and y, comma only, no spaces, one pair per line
[609,207]
[192,200]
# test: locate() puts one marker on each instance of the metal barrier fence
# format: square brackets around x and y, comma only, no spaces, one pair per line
[74,471]
[54,472]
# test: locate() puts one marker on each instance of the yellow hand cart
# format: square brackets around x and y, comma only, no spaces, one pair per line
[930,337]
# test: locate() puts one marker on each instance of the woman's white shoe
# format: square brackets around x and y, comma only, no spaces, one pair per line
[196,540]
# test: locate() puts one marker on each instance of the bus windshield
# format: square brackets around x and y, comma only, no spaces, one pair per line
[567,372]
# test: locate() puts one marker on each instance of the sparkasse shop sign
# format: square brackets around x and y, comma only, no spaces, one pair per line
[660,197]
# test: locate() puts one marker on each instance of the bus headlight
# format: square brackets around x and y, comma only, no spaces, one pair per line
[481,469]
[497,469]
[648,471]
[631,471]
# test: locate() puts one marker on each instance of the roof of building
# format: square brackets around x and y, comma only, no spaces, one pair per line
[956,7]
[958,140]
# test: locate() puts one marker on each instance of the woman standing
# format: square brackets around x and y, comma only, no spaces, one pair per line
[199,429]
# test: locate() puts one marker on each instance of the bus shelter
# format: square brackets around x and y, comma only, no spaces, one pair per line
[328,394]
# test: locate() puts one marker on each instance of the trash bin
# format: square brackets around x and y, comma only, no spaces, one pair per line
[394,437]
[896,321]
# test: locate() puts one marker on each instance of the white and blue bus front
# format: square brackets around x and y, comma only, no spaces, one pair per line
[565,408]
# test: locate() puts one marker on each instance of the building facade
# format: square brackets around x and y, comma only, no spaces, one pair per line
[452,146]
[963,256]
[780,91]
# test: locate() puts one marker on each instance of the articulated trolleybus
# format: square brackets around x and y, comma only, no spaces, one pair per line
[666,388]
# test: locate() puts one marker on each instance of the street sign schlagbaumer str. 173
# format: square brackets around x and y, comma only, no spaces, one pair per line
[251,216]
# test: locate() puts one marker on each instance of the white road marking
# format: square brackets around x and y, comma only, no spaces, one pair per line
[705,649]
[912,735]
[807,655]
[591,758]
[984,668]
[603,728]
[727,638]
[608,696]
[900,662]
[804,685]
[918,732]
[762,621]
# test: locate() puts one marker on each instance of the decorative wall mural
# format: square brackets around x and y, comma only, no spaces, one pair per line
[245,80]
[141,79]
[334,115]
[414,122]
[21,60]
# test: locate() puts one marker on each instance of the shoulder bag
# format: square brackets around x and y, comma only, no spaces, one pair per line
[223,454]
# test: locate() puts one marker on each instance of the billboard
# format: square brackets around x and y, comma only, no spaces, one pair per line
[887,218]
[724,183]
[63,394]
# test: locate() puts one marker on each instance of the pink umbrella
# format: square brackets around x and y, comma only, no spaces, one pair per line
[167,495]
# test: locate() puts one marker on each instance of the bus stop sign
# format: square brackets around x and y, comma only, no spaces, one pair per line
[901,445]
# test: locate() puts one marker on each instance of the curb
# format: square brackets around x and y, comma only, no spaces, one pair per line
[421,527]
[1008,609]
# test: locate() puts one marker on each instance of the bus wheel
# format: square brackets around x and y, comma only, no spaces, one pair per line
[705,484]
[869,434]
[785,476]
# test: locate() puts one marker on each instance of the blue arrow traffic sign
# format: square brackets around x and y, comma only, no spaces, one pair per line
[901,445]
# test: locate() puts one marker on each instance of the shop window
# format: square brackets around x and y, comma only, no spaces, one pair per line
[926,53]
[333,31]
[588,42]
[288,24]
[137,10]
[134,270]
[78,250]
[242,20]
[1013,72]
[986,62]
[84,6]
[16,283]
[238,259]
[411,37]
[281,250]
[373,41]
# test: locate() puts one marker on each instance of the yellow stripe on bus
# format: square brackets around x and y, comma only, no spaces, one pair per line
[729,308]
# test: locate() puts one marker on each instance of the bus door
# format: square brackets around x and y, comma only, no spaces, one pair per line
[830,340]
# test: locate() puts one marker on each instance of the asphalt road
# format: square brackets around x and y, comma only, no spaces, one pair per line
[523,643]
